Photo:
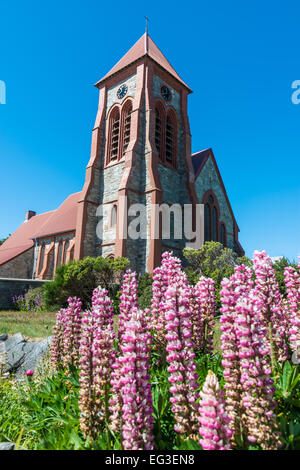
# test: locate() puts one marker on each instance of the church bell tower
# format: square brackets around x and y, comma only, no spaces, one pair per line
[141,154]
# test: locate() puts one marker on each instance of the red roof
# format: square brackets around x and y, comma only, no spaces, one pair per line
[144,46]
[60,220]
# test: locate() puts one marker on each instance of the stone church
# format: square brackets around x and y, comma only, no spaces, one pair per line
[140,153]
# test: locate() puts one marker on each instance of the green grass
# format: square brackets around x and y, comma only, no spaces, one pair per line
[30,324]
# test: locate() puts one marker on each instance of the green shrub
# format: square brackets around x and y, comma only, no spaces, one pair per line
[80,278]
[146,298]
[214,261]
[145,290]
[279,267]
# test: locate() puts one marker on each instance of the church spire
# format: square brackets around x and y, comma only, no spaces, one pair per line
[143,47]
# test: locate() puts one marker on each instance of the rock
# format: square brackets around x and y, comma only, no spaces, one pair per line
[18,355]
[3,337]
[14,358]
[33,354]
[7,446]
[13,341]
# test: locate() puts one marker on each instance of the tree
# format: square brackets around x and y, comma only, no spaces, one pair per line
[279,266]
[213,260]
[80,278]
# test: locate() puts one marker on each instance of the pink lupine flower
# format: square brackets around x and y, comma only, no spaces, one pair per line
[292,281]
[274,320]
[182,366]
[214,421]
[57,340]
[169,273]
[257,401]
[71,317]
[164,276]
[203,310]
[238,286]
[134,381]
[128,299]
[96,356]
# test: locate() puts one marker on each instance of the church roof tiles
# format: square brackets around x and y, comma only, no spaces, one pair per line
[145,46]
[60,220]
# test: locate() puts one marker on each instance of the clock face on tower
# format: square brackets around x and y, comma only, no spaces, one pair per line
[166,93]
[122,90]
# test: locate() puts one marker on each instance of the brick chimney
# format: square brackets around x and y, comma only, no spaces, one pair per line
[29,214]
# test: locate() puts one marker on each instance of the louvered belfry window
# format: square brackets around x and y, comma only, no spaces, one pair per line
[158,131]
[127,125]
[169,140]
[115,136]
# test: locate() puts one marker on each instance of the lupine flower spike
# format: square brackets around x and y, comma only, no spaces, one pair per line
[128,299]
[214,430]
[203,308]
[182,366]
[134,381]
[72,326]
[96,356]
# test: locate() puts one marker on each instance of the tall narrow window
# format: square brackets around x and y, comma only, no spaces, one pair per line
[169,140]
[126,129]
[42,255]
[207,222]
[214,224]
[211,217]
[158,131]
[64,259]
[113,216]
[223,234]
[59,254]
[113,142]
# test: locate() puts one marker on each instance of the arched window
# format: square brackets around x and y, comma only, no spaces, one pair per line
[114,136]
[211,217]
[171,136]
[207,223]
[214,224]
[158,131]
[166,134]
[113,216]
[126,126]
[223,234]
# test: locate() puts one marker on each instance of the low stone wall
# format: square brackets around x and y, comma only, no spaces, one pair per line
[11,287]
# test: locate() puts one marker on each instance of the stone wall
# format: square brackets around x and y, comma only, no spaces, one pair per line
[208,179]
[11,287]
[19,267]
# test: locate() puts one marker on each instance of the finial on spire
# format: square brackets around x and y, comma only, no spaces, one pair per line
[146,35]
[147,19]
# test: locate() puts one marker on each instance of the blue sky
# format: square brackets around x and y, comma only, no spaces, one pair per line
[240,60]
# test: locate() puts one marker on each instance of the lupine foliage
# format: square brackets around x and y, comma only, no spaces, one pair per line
[157,383]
